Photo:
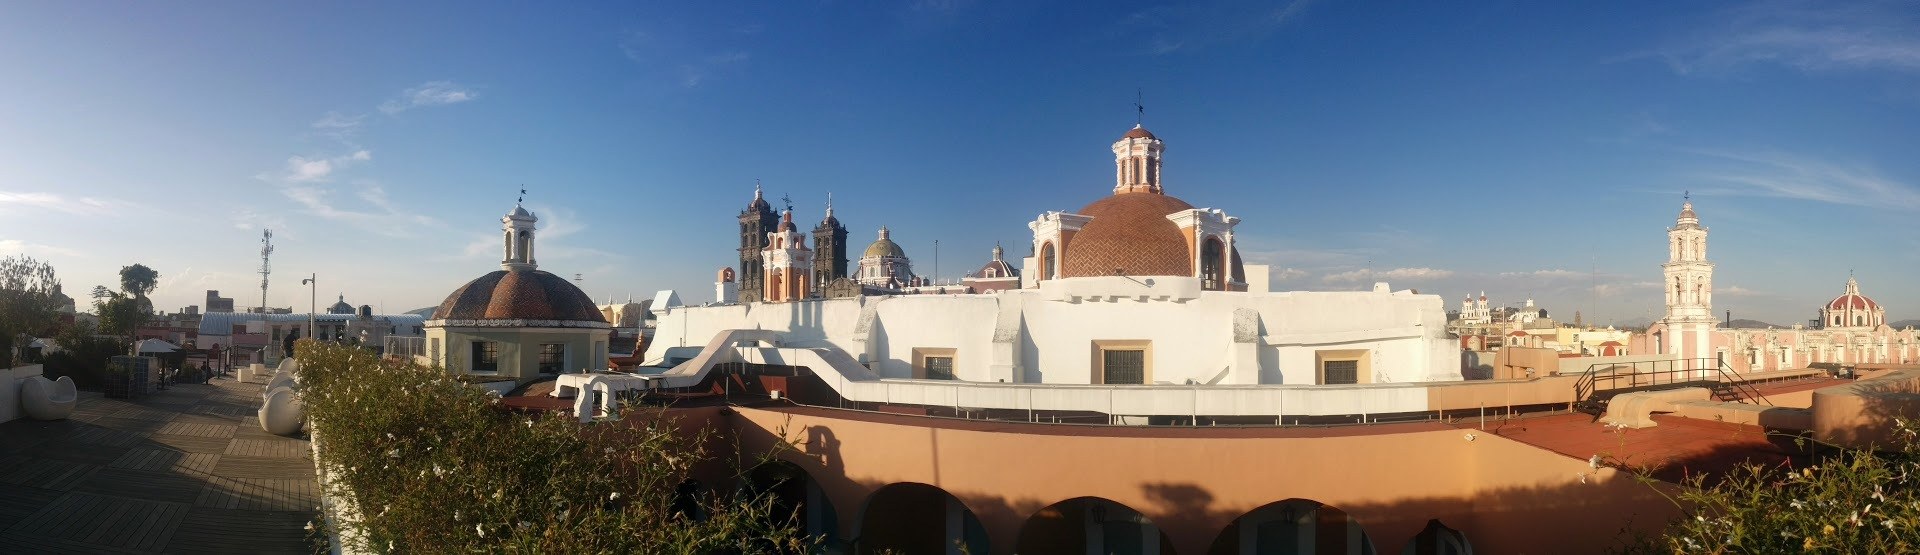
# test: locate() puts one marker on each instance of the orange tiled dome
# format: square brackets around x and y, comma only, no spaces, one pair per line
[1130,233]
[519,295]
[1138,132]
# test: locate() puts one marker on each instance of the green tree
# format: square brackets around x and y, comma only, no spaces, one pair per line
[120,315]
[29,301]
[137,281]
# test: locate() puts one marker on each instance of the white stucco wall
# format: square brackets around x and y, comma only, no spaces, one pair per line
[1047,334]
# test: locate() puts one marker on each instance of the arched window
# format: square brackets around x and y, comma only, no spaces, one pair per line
[1046,260]
[1212,266]
[1859,320]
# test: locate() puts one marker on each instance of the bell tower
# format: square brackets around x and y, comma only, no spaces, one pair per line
[829,249]
[756,222]
[1688,285]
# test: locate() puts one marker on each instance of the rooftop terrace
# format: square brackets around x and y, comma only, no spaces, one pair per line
[187,470]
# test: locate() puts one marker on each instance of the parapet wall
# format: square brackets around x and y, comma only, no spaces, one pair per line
[1862,413]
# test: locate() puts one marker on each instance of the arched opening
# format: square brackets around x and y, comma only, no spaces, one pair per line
[1046,260]
[1438,539]
[1293,526]
[796,499]
[912,517]
[1213,268]
[1093,526]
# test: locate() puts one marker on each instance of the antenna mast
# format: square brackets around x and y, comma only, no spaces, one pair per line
[266,250]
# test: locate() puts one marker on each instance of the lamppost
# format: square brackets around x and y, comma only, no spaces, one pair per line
[313,302]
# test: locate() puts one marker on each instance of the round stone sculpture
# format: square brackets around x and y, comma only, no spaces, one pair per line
[282,413]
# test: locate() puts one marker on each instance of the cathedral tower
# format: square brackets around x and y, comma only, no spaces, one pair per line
[829,249]
[1689,288]
[756,223]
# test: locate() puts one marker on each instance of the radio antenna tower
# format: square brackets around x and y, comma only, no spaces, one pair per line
[266,250]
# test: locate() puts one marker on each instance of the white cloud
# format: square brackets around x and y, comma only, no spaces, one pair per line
[301,169]
[433,93]
[1809,36]
[17,246]
[339,126]
[1737,291]
[1396,274]
[1545,274]
[1780,175]
[35,201]
[687,61]
[384,217]
[1284,274]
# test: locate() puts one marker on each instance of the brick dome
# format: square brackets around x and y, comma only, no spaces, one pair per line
[1130,233]
[519,295]
[1138,132]
[1852,300]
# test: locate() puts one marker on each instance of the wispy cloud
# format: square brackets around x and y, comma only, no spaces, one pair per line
[1168,29]
[555,226]
[686,61]
[376,214]
[36,201]
[17,246]
[339,126]
[1396,274]
[1810,36]
[432,93]
[1781,175]
[301,169]
[1285,274]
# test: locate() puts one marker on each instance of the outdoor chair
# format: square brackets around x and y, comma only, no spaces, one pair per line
[45,399]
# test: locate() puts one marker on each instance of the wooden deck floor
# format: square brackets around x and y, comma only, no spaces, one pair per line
[186,470]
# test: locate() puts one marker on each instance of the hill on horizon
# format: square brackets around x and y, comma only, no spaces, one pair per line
[1904,324]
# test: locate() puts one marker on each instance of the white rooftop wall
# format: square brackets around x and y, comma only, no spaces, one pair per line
[1047,335]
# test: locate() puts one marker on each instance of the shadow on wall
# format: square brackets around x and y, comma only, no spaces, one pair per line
[1592,514]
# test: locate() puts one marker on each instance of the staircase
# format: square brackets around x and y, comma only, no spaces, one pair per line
[1601,382]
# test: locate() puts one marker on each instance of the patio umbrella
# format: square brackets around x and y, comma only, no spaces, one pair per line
[157,346]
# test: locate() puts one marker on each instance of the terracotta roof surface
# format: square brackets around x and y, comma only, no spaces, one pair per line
[1138,132]
[518,295]
[1853,301]
[1129,232]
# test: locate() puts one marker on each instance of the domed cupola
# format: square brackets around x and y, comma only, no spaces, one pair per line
[519,292]
[1852,310]
[340,307]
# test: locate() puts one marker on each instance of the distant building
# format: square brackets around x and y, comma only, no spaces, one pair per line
[996,275]
[1851,329]
[217,303]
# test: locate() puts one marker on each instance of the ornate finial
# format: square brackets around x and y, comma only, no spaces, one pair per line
[756,188]
[829,204]
[523,196]
[883,232]
[998,252]
[1686,195]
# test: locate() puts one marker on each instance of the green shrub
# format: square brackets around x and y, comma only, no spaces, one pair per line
[433,466]
[1853,501]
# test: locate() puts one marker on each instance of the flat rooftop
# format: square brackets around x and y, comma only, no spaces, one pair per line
[186,470]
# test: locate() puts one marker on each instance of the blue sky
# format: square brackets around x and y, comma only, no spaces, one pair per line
[1519,149]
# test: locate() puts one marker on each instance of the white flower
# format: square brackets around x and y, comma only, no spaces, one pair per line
[1887,523]
[613,496]
[1797,504]
[479,529]
[309,526]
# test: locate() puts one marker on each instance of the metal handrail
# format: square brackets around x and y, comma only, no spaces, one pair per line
[1675,371]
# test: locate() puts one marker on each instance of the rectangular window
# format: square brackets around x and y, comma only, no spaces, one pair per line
[1124,366]
[1340,372]
[939,368]
[486,356]
[553,358]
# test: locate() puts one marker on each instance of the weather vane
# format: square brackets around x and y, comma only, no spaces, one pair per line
[1140,108]
[787,201]
[1686,195]
[523,195]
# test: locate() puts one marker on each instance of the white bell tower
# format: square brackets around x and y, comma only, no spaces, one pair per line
[1689,288]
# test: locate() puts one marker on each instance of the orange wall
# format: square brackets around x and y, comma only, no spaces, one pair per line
[1505,496]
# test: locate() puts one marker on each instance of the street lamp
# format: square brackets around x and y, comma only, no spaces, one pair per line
[313,301]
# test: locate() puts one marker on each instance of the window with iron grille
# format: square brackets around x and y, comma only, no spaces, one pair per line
[486,356]
[939,368]
[1124,366]
[1340,372]
[553,358]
